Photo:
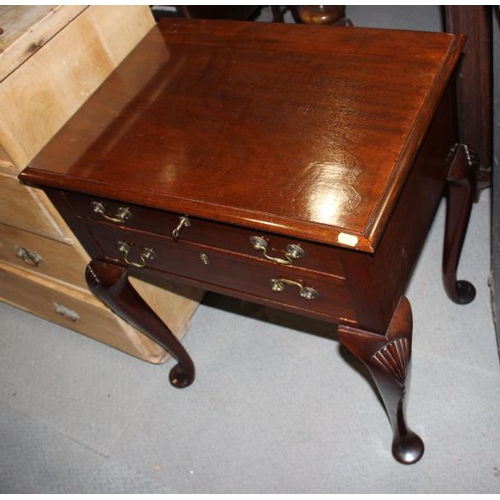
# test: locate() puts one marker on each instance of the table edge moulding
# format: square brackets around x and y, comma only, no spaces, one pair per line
[252,159]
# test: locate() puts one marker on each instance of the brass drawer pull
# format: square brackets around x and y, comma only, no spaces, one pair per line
[122,214]
[306,292]
[184,222]
[292,251]
[146,254]
[29,256]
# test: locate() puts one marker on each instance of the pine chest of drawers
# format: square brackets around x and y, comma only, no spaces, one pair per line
[52,58]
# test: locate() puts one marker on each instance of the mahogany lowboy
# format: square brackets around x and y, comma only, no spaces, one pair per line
[295,166]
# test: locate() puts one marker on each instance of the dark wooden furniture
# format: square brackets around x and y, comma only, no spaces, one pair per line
[474,83]
[476,110]
[259,163]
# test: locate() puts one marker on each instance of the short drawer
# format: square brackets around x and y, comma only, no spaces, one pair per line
[264,246]
[76,310]
[42,256]
[29,209]
[227,272]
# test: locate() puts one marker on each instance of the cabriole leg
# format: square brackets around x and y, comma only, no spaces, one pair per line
[460,193]
[388,359]
[109,282]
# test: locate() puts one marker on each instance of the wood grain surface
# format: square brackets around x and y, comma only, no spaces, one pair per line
[27,28]
[40,96]
[261,125]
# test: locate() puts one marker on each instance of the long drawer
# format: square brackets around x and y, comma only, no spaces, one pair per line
[76,310]
[264,246]
[209,267]
[42,256]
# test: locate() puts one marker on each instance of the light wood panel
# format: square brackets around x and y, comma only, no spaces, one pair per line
[77,310]
[38,98]
[6,164]
[28,208]
[173,303]
[26,28]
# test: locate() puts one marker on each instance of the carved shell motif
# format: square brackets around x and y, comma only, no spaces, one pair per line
[394,358]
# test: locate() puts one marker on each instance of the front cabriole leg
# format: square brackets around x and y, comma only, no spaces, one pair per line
[388,359]
[109,282]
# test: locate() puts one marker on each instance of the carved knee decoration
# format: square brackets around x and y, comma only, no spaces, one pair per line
[388,359]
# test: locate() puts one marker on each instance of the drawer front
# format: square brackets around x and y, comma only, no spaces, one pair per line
[78,311]
[211,268]
[42,256]
[264,246]
[27,208]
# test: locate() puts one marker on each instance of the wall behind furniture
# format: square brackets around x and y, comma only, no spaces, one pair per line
[410,17]
[495,246]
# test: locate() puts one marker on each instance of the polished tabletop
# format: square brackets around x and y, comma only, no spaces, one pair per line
[295,129]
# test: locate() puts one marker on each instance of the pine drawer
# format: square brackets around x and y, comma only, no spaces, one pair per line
[29,209]
[43,256]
